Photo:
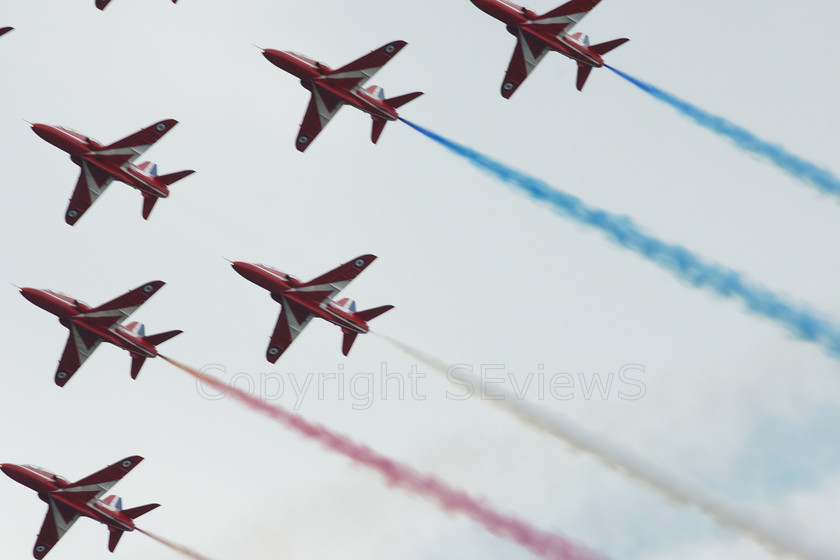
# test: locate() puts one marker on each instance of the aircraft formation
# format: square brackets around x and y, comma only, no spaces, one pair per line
[300,301]
[101,164]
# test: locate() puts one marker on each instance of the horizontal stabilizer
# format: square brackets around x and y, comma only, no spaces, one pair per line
[400,100]
[137,362]
[136,512]
[604,48]
[160,338]
[583,73]
[369,314]
[347,343]
[114,538]
[174,177]
[148,204]
[378,126]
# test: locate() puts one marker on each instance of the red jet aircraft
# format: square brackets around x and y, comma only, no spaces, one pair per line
[68,501]
[89,326]
[4,30]
[333,88]
[101,4]
[301,301]
[536,35]
[102,164]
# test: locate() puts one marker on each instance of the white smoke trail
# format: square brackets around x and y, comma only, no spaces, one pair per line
[773,537]
[173,545]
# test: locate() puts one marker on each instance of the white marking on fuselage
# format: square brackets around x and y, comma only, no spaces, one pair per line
[301,58]
[330,306]
[39,473]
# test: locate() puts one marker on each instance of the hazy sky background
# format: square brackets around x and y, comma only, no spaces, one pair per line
[478,273]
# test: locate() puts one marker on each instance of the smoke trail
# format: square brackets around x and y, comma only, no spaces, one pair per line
[800,168]
[682,491]
[803,323]
[541,543]
[174,546]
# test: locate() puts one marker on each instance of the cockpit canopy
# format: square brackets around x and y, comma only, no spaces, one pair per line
[79,135]
[293,280]
[65,296]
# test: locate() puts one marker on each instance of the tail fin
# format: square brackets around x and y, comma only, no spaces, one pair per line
[114,538]
[136,512]
[137,362]
[369,314]
[148,203]
[378,126]
[174,177]
[400,100]
[583,73]
[150,167]
[160,338]
[347,343]
[604,48]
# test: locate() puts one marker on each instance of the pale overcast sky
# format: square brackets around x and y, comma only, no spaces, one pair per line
[478,273]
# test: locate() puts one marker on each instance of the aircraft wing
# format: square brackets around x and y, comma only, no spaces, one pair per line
[528,53]
[131,147]
[92,183]
[322,107]
[58,521]
[80,345]
[4,30]
[560,21]
[329,284]
[96,485]
[358,72]
[293,318]
[119,309]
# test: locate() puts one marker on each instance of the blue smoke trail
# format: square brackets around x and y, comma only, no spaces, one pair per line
[800,168]
[803,323]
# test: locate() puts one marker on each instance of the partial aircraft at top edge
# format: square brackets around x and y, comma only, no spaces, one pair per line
[536,35]
[102,4]
[333,88]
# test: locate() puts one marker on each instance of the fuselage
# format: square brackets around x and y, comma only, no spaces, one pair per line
[519,19]
[69,310]
[282,285]
[83,148]
[48,485]
[312,74]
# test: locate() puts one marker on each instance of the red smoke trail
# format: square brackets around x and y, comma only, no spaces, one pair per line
[174,546]
[542,543]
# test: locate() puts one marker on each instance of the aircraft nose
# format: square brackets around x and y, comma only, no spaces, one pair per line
[42,130]
[242,268]
[8,469]
[279,58]
[272,55]
[31,294]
